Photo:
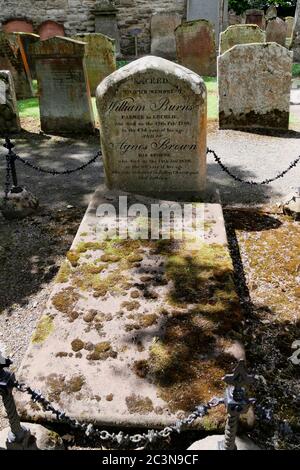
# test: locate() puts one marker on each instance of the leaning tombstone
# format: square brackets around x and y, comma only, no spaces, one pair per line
[163,42]
[153,128]
[276,31]
[196,47]
[9,114]
[254,87]
[256,17]
[14,59]
[241,34]
[64,96]
[100,58]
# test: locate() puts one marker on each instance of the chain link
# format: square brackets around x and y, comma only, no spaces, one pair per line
[251,182]
[119,439]
[7,178]
[55,172]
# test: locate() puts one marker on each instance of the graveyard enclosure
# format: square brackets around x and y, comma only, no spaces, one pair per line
[153,119]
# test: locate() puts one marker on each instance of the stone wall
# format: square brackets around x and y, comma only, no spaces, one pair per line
[77,16]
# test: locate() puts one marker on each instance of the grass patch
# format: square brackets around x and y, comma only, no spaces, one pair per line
[296,70]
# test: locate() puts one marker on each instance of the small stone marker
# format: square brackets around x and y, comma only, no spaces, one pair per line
[256,17]
[9,114]
[163,42]
[153,127]
[13,58]
[65,102]
[276,31]
[100,58]
[254,86]
[196,47]
[240,34]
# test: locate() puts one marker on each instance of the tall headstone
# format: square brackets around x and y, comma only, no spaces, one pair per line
[163,27]
[196,47]
[254,86]
[9,115]
[28,39]
[105,13]
[256,17]
[64,96]
[100,57]
[153,116]
[215,11]
[290,25]
[295,45]
[276,31]
[240,34]
[14,59]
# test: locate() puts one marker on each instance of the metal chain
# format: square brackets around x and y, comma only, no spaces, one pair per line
[55,172]
[251,182]
[7,178]
[121,438]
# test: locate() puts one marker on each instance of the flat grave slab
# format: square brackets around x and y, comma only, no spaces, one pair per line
[137,332]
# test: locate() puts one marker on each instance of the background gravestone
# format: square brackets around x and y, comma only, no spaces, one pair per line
[9,114]
[240,34]
[290,24]
[65,102]
[163,27]
[276,31]
[271,13]
[295,45]
[256,17]
[153,128]
[13,58]
[105,13]
[215,11]
[100,58]
[50,29]
[196,47]
[254,87]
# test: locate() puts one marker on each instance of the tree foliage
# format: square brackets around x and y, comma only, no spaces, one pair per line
[239,6]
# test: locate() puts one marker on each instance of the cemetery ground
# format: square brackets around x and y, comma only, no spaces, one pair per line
[264,245]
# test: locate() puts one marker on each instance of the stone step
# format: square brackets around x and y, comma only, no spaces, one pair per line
[137,333]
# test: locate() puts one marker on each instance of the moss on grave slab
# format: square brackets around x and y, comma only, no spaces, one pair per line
[43,329]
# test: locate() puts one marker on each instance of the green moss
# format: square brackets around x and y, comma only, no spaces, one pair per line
[131,305]
[65,300]
[139,404]
[77,345]
[43,329]
[109,258]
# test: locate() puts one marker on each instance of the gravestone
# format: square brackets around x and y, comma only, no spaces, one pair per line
[16,26]
[295,44]
[240,34]
[276,31]
[254,86]
[256,17]
[215,11]
[196,47]
[9,114]
[153,128]
[64,96]
[14,59]
[100,58]
[290,24]
[163,27]
[50,29]
[105,13]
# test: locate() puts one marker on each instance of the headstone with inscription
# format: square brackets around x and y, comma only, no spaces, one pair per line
[9,115]
[153,128]
[14,59]
[254,86]
[240,34]
[163,42]
[196,47]
[215,11]
[64,96]
[276,31]
[256,17]
[100,58]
